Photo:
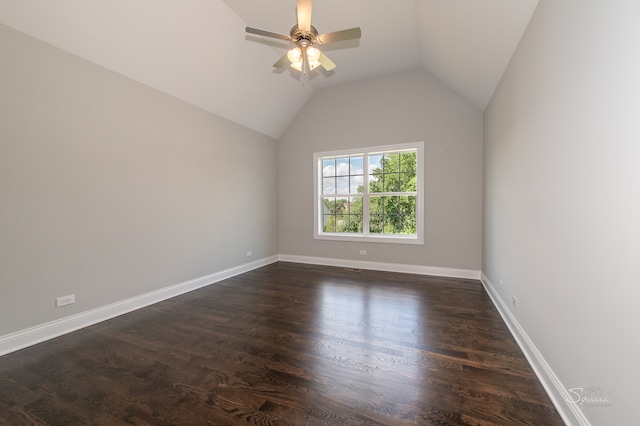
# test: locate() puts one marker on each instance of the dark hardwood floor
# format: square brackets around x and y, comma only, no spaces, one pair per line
[287,344]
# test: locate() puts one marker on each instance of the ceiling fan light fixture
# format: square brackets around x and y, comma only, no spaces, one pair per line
[313,54]
[294,55]
[296,58]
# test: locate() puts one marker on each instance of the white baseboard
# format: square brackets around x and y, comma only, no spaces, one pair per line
[388,267]
[31,336]
[558,393]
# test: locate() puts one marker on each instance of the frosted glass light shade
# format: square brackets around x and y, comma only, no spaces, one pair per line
[295,57]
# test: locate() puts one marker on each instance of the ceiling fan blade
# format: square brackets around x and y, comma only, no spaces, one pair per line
[350,34]
[304,15]
[326,63]
[267,33]
[282,62]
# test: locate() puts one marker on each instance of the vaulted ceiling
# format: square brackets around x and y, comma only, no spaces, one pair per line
[198,51]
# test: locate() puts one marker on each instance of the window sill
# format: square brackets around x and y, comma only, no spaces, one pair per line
[388,239]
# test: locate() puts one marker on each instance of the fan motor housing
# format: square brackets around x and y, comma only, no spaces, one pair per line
[298,34]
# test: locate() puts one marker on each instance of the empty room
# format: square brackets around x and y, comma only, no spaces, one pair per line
[319,213]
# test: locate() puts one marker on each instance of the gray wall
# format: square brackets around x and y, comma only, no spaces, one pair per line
[110,189]
[562,195]
[405,107]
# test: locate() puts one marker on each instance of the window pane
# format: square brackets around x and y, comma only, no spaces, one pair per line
[408,162]
[392,215]
[342,215]
[328,213]
[391,162]
[355,205]
[342,223]
[407,206]
[391,224]
[406,220]
[357,166]
[393,172]
[357,185]
[407,182]
[391,182]
[328,223]
[374,162]
[391,205]
[375,183]
[355,223]
[329,167]
[355,214]
[327,205]
[408,171]
[342,166]
[390,165]
[336,217]
[328,185]
[343,185]
[340,205]
[375,173]
[376,205]
[411,224]
[375,224]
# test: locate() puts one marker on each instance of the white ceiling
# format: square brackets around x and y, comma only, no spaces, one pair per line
[198,51]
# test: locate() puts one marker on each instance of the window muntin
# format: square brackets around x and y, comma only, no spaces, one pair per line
[373,194]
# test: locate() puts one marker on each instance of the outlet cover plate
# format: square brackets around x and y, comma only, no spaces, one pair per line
[65,300]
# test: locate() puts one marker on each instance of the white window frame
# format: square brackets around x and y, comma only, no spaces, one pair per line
[318,232]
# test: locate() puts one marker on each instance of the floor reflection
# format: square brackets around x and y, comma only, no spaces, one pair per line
[375,330]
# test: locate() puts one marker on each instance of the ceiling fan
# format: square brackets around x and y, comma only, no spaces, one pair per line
[305,56]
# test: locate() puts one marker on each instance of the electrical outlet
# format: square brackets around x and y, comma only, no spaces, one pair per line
[514,301]
[65,300]
[249,253]
[363,252]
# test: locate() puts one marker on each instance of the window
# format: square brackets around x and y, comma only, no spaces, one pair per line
[371,194]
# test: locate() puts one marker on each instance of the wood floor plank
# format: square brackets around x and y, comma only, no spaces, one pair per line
[286,344]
